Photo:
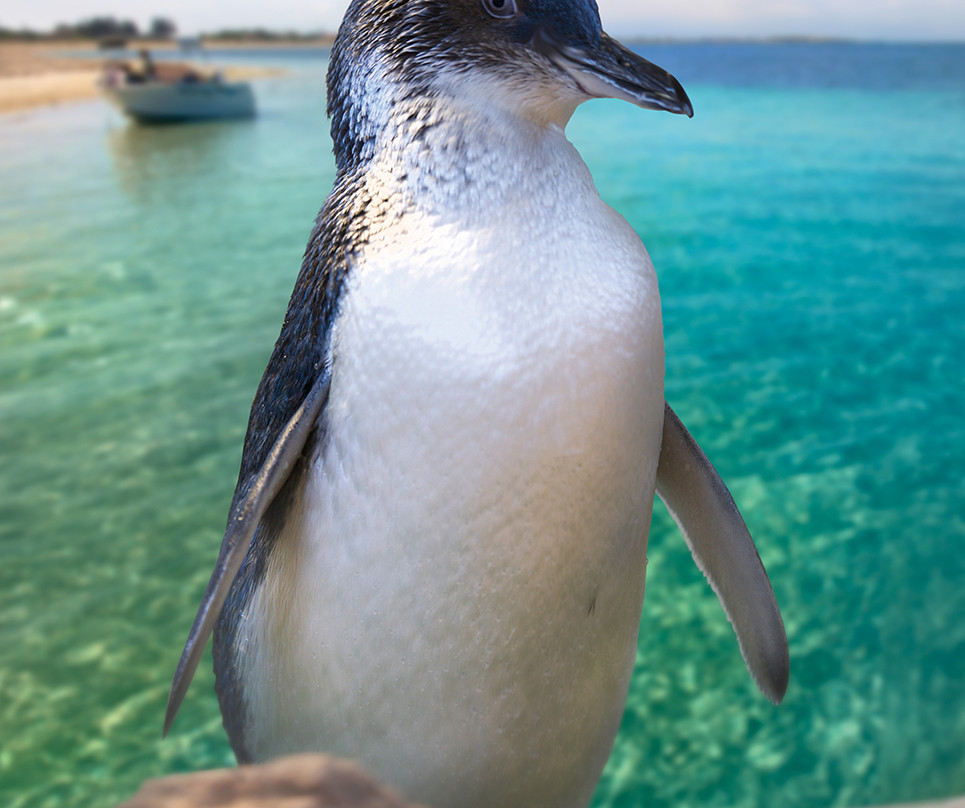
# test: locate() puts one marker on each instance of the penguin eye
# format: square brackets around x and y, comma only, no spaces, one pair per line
[500,9]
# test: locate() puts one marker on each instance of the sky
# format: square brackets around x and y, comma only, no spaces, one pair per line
[859,19]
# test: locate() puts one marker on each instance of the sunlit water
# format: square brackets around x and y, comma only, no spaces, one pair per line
[808,228]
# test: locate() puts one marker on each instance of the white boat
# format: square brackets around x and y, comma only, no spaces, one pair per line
[189,99]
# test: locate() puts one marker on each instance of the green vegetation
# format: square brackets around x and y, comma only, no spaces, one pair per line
[100,28]
[20,35]
[111,31]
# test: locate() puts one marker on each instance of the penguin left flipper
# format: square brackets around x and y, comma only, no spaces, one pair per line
[724,551]
[246,514]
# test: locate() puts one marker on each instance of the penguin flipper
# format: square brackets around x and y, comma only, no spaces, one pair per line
[246,513]
[724,551]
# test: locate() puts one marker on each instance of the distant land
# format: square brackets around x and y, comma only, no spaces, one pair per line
[777,39]
[255,37]
[110,31]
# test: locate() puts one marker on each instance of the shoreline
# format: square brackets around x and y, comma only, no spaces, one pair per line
[42,74]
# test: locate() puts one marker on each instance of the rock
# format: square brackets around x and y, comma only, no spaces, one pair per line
[952,803]
[301,781]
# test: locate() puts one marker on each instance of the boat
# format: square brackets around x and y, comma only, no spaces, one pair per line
[157,102]
[170,93]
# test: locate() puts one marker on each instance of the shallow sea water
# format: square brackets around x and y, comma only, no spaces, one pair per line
[808,229]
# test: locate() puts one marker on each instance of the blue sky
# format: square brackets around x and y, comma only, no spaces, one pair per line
[863,19]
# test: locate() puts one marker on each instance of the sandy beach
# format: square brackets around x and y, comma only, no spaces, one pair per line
[43,73]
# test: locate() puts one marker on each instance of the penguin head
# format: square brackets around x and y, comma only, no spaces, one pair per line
[538,58]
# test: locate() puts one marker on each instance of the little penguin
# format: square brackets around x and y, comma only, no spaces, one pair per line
[435,555]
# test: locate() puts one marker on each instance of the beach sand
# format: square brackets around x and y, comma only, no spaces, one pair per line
[43,73]
[33,75]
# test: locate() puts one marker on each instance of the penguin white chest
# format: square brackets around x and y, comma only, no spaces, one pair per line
[455,596]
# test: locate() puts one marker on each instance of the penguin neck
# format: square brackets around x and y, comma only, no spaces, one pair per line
[459,150]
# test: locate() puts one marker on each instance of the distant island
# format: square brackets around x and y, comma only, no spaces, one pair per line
[111,32]
[776,39]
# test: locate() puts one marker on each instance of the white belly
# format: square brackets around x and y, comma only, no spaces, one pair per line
[456,596]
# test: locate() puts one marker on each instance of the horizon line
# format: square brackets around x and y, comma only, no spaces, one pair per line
[279,36]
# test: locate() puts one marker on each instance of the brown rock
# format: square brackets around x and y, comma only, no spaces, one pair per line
[301,781]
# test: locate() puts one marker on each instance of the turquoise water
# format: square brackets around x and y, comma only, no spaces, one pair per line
[808,228]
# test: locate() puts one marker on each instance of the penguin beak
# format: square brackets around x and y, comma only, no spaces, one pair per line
[610,70]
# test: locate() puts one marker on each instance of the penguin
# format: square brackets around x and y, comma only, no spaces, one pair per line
[435,556]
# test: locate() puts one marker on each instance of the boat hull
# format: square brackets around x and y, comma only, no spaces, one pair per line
[183,101]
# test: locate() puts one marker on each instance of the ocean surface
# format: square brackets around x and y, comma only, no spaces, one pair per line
[808,229]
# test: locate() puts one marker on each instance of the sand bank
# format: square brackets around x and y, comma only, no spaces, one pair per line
[41,74]
[35,75]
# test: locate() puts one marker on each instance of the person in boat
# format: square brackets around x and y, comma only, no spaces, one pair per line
[148,70]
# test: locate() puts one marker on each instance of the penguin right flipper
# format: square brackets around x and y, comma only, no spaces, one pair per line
[246,513]
[724,551]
